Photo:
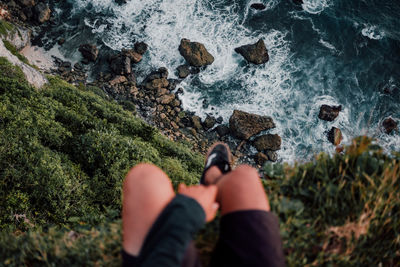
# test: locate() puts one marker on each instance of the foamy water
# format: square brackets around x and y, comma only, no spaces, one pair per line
[290,87]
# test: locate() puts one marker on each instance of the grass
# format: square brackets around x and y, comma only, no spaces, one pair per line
[10,47]
[64,152]
[5,27]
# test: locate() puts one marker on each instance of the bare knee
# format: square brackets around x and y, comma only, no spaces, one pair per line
[145,176]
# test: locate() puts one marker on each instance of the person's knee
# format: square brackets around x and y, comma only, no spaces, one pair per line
[145,175]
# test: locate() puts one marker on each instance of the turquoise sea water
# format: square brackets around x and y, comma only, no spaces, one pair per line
[343,52]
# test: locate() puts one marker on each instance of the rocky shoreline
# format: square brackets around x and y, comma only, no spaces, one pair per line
[157,99]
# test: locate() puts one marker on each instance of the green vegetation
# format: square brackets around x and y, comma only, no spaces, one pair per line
[5,27]
[64,152]
[10,47]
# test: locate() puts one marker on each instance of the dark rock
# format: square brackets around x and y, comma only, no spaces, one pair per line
[329,113]
[163,72]
[195,53]
[61,41]
[120,64]
[268,142]
[172,84]
[26,3]
[222,130]
[42,12]
[121,2]
[335,136]
[78,66]
[260,158]
[298,2]
[131,77]
[28,13]
[179,91]
[196,122]
[389,125]
[272,155]
[134,56]
[205,103]
[141,47]
[183,71]
[244,125]
[89,51]
[209,122]
[220,120]
[195,70]
[258,6]
[255,53]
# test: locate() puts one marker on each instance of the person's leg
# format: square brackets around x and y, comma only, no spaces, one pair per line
[147,191]
[240,189]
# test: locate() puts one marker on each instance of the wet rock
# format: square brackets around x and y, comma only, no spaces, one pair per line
[272,155]
[260,158]
[389,125]
[244,125]
[157,84]
[179,91]
[89,51]
[166,99]
[258,6]
[42,12]
[268,142]
[121,2]
[141,47]
[196,121]
[118,79]
[120,64]
[329,113]
[222,130]
[172,84]
[335,136]
[298,2]
[61,41]
[134,56]
[220,120]
[183,71]
[209,122]
[195,53]
[255,53]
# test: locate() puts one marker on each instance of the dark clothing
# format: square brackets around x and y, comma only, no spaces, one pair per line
[247,238]
[168,239]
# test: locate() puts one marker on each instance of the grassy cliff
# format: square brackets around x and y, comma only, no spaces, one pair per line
[64,152]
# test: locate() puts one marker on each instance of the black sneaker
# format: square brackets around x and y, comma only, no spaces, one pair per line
[219,155]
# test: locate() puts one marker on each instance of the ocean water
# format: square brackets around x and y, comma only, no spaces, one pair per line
[342,52]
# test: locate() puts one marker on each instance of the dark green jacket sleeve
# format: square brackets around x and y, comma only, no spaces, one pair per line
[181,219]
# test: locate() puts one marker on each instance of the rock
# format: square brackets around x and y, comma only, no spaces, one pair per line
[89,51]
[26,3]
[209,122]
[183,71]
[121,2]
[298,2]
[176,103]
[141,47]
[172,84]
[222,130]
[120,64]
[195,53]
[268,142]
[260,158]
[61,41]
[335,136]
[196,121]
[19,37]
[389,125]
[174,125]
[258,6]
[161,92]
[219,120]
[163,116]
[179,91]
[255,53]
[329,113]
[134,56]
[157,84]
[244,125]
[42,12]
[117,80]
[166,99]
[272,155]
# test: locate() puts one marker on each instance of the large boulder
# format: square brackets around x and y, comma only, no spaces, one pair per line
[255,53]
[389,125]
[42,12]
[209,122]
[195,53]
[329,113]
[89,51]
[183,71]
[335,136]
[141,47]
[132,54]
[120,64]
[268,142]
[244,125]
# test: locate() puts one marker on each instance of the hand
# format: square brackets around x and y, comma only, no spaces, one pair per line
[204,195]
